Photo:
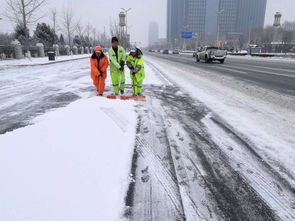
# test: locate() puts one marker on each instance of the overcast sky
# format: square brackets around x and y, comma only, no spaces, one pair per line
[99,13]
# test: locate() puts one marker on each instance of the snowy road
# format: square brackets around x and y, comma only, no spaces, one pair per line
[207,146]
[270,73]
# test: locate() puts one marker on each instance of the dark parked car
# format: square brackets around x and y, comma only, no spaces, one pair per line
[166,51]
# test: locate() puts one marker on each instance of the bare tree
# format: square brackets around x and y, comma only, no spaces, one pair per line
[53,18]
[87,33]
[69,23]
[80,29]
[116,30]
[24,12]
[88,29]
[257,36]
[268,34]
[94,35]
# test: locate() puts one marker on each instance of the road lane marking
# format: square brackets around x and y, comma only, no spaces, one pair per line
[232,70]
[264,72]
[278,69]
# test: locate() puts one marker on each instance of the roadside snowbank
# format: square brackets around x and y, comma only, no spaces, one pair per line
[268,59]
[39,61]
[72,164]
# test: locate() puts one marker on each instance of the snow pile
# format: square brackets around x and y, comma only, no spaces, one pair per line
[72,164]
[267,59]
[39,61]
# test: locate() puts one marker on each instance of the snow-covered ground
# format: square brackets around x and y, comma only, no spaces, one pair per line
[68,153]
[73,162]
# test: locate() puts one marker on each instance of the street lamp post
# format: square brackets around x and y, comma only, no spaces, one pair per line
[196,37]
[126,13]
[184,46]
[218,16]
[250,29]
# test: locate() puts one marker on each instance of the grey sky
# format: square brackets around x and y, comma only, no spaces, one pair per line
[99,13]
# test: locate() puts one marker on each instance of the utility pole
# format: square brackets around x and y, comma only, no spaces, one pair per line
[250,29]
[218,28]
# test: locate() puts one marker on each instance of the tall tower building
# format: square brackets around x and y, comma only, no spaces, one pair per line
[240,16]
[212,7]
[226,17]
[153,33]
[195,16]
[185,15]
[251,14]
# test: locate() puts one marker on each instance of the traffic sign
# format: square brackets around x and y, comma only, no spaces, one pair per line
[186,34]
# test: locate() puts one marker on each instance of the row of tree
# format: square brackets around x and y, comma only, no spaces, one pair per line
[258,36]
[270,34]
[64,28]
[45,34]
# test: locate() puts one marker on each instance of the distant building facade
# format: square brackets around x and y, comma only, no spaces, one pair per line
[240,16]
[195,16]
[234,17]
[289,26]
[185,15]
[153,33]
[212,7]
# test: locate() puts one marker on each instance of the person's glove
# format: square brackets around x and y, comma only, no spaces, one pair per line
[137,69]
[122,63]
[129,65]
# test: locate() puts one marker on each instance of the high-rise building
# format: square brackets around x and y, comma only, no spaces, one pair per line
[251,14]
[195,16]
[227,16]
[240,16]
[212,7]
[224,17]
[153,33]
[185,15]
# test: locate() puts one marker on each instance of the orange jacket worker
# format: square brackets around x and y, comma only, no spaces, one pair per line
[99,65]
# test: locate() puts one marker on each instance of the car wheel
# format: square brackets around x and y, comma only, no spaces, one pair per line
[197,59]
[206,59]
[221,61]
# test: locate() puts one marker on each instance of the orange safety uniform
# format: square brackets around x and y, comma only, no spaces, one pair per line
[99,65]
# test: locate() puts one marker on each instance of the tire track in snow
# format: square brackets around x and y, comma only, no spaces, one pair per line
[228,192]
[158,197]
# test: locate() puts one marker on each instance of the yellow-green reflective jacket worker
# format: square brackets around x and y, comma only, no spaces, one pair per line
[137,73]
[117,62]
